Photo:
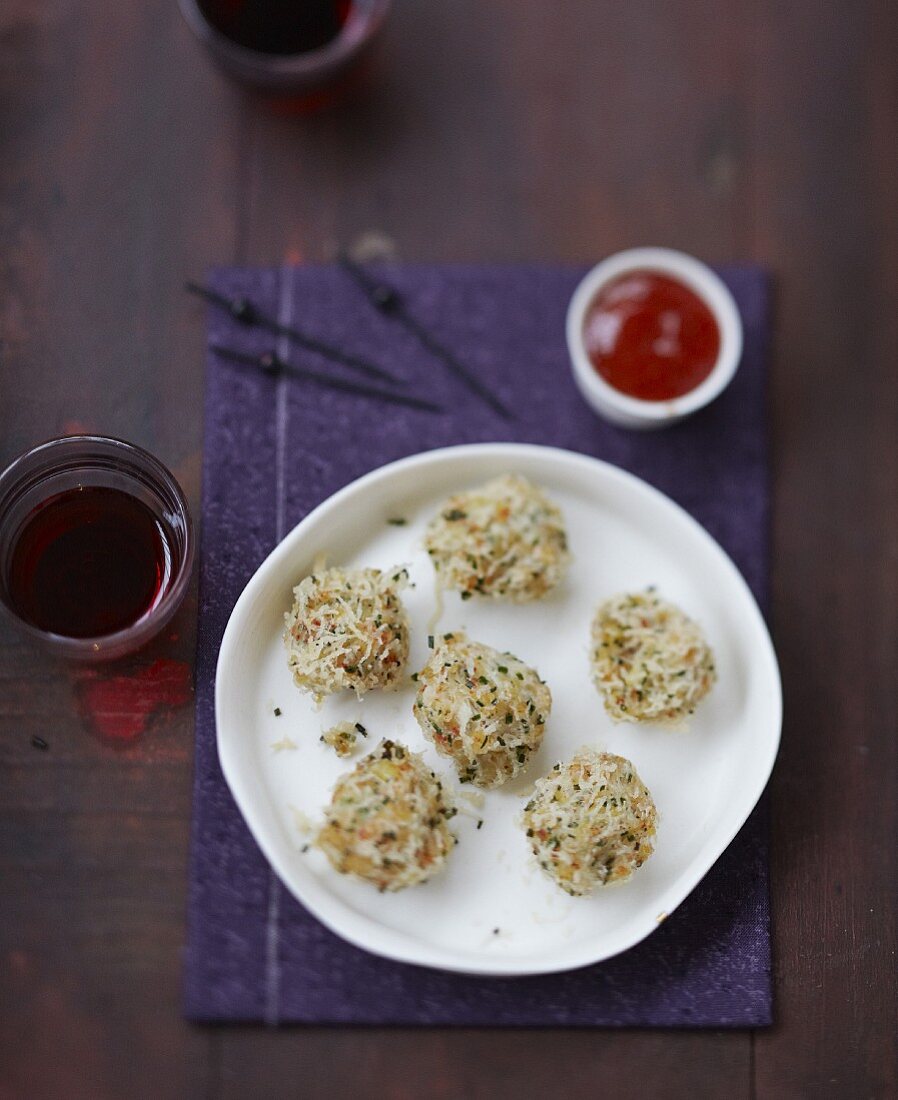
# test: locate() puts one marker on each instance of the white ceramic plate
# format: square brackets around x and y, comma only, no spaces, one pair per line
[705,780]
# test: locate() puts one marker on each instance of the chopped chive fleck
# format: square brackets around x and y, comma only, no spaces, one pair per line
[397,521]
[277,712]
[480,823]
[502,668]
[430,641]
[361,729]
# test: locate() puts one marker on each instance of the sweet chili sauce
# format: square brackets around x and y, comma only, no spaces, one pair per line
[651,337]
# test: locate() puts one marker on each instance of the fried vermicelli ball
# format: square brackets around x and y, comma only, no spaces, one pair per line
[504,540]
[347,629]
[591,822]
[485,710]
[650,661]
[386,822]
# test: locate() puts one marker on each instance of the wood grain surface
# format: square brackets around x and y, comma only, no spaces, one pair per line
[499,130]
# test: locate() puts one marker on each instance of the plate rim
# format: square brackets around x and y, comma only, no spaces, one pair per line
[419,954]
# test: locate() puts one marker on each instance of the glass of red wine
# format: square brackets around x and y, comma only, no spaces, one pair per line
[96,546]
[287,48]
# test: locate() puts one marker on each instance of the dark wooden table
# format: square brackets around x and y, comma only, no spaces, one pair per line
[503,130]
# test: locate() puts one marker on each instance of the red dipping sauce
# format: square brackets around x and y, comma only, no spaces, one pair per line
[650,336]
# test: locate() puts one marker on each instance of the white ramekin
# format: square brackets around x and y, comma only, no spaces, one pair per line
[633,412]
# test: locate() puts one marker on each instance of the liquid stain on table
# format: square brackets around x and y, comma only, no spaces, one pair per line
[118,707]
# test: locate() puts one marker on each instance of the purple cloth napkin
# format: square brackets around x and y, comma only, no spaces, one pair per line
[276,448]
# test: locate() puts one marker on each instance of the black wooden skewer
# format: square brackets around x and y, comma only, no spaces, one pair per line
[248,313]
[388,300]
[271,363]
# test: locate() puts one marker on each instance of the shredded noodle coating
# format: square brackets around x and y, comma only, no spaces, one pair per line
[347,629]
[650,661]
[504,540]
[386,822]
[590,822]
[485,710]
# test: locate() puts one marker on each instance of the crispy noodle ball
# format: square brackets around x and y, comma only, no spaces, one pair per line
[386,822]
[347,629]
[650,661]
[484,709]
[505,540]
[590,822]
